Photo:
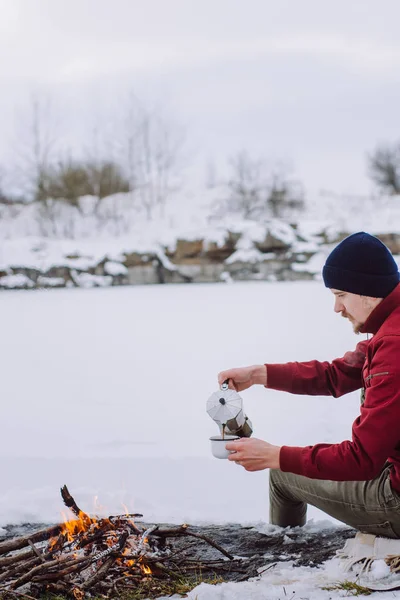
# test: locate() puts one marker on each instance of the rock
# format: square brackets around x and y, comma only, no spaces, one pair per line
[136,259]
[202,272]
[58,272]
[391,240]
[279,236]
[29,272]
[143,275]
[271,244]
[186,249]
[217,253]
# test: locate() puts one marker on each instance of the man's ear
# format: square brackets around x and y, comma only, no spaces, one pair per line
[371,302]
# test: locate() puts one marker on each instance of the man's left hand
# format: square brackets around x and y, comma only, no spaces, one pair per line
[253,454]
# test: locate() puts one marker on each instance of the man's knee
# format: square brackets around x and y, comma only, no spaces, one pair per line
[273,475]
[277,478]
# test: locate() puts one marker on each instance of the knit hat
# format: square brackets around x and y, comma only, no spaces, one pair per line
[361,264]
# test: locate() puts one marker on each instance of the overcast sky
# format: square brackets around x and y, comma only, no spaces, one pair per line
[311,81]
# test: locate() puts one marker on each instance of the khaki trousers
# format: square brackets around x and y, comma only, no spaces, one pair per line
[369,506]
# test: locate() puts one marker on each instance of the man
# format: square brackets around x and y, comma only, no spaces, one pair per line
[357,481]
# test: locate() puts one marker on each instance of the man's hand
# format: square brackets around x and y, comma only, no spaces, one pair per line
[244,377]
[254,454]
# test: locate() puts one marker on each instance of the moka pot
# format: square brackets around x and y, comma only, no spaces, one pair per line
[225,407]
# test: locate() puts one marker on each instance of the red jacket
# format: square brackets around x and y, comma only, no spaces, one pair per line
[374,365]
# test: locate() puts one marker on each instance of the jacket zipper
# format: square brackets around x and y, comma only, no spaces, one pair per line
[376,375]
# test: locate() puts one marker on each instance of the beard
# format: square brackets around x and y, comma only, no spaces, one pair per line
[356,326]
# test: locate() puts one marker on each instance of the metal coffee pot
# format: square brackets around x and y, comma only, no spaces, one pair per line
[225,407]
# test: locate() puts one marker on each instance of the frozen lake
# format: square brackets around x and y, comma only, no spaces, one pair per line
[105,390]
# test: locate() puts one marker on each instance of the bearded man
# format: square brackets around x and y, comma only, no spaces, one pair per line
[357,481]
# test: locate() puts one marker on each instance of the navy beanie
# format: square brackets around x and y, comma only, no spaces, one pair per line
[361,264]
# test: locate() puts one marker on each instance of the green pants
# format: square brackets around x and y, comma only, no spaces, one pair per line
[369,506]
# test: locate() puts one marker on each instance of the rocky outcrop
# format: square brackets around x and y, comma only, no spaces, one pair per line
[273,251]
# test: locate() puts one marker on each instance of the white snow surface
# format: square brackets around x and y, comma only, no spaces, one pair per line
[105,390]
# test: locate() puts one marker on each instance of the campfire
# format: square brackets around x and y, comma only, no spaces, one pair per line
[92,556]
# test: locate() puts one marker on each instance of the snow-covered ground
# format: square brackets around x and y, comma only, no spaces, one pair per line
[81,238]
[105,391]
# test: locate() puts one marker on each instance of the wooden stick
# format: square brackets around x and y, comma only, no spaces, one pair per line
[107,563]
[22,542]
[56,575]
[36,551]
[99,573]
[19,568]
[183,530]
[9,560]
[70,503]
[18,594]
[42,567]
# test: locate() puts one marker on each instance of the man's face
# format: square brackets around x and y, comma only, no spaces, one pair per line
[354,307]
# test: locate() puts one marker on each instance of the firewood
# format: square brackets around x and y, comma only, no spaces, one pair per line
[184,530]
[9,560]
[42,567]
[14,593]
[36,551]
[101,556]
[21,567]
[22,542]
[101,572]
[70,503]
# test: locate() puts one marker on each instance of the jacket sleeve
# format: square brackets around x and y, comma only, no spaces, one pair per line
[316,378]
[375,434]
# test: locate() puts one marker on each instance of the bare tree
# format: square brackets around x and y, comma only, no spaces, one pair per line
[152,149]
[384,168]
[36,146]
[256,189]
[246,185]
[283,192]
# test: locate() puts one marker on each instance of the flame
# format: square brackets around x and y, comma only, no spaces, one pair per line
[146,569]
[78,594]
[97,507]
[129,562]
[126,510]
[70,528]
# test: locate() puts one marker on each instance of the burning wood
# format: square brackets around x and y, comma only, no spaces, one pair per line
[90,555]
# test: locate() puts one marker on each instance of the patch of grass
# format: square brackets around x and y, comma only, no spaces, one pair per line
[148,588]
[349,586]
[154,588]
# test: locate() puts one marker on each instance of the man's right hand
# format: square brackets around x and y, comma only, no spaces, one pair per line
[244,377]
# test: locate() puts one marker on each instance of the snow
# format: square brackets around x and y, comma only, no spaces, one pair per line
[87,280]
[15,281]
[115,268]
[379,569]
[105,390]
[50,281]
[314,264]
[245,255]
[81,238]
